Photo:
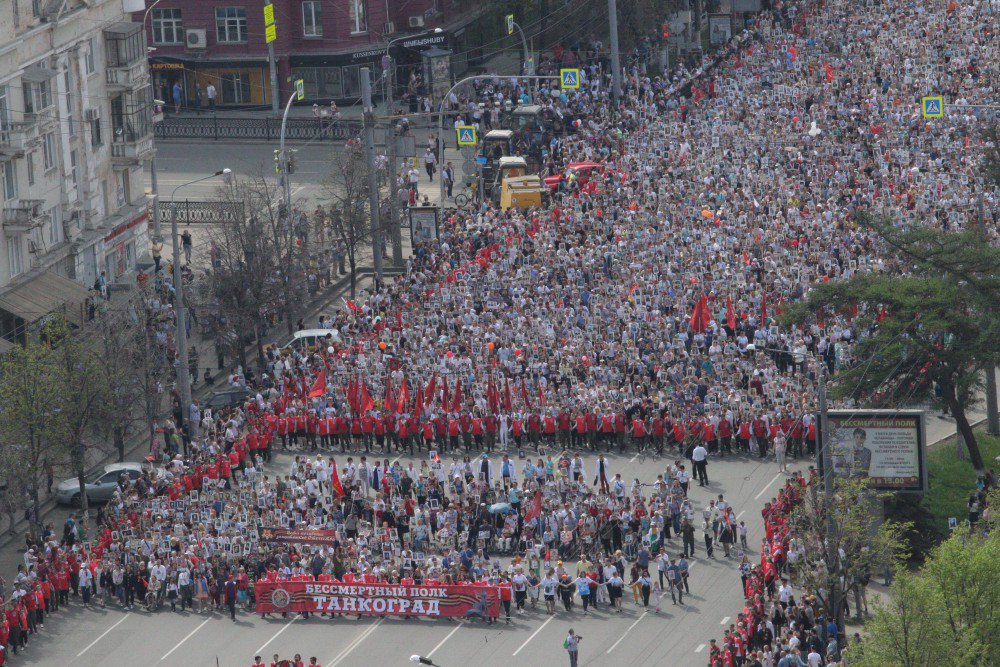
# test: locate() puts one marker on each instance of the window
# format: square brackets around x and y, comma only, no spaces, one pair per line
[68,78]
[167,27]
[9,177]
[37,96]
[89,57]
[15,256]
[95,127]
[359,16]
[231,24]
[49,151]
[4,113]
[29,161]
[74,172]
[55,226]
[312,24]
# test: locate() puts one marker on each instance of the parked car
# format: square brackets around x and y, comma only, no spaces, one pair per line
[227,398]
[101,484]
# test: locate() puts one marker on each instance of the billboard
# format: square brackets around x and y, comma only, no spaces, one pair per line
[885,446]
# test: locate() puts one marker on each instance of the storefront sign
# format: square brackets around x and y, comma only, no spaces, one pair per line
[121,229]
[166,65]
[432,39]
[455,600]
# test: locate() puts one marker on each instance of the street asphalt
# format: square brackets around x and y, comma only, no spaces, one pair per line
[677,635]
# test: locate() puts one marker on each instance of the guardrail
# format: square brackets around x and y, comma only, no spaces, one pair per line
[211,126]
[202,211]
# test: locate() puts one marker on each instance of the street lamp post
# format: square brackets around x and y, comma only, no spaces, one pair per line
[395,228]
[183,379]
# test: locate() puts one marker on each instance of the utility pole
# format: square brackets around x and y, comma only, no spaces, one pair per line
[389,67]
[616,69]
[270,31]
[825,460]
[373,194]
[183,376]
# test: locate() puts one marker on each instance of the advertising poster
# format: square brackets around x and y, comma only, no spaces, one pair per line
[887,447]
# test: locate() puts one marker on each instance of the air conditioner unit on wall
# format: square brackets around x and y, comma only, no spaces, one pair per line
[195,38]
[416,21]
[389,28]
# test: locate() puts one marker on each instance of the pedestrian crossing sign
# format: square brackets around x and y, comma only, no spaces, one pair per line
[466,135]
[510,24]
[569,78]
[300,89]
[933,107]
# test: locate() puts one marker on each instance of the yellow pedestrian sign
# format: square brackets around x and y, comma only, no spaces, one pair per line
[466,135]
[300,89]
[569,78]
[510,24]
[933,107]
[270,33]
[268,14]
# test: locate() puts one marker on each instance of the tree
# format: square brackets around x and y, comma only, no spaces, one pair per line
[83,401]
[129,365]
[930,320]
[29,422]
[946,613]
[258,265]
[845,540]
[350,218]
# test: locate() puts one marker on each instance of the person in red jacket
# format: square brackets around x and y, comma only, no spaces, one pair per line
[549,429]
[579,436]
[565,428]
[658,433]
[492,428]
[725,430]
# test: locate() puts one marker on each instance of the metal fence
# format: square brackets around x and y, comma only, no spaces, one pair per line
[202,211]
[210,126]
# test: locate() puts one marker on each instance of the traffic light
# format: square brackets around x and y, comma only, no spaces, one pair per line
[291,161]
[666,30]
[277,161]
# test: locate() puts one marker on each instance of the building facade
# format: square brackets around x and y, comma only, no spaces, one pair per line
[222,43]
[75,128]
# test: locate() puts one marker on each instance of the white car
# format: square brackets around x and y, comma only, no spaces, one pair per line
[311,337]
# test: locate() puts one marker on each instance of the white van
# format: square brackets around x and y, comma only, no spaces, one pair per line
[312,337]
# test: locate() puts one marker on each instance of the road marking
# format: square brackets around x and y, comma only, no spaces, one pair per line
[701,647]
[275,636]
[104,634]
[632,460]
[725,619]
[625,634]
[441,643]
[764,490]
[353,645]
[533,634]
[189,636]
[740,514]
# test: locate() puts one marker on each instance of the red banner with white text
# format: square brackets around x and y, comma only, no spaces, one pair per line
[453,600]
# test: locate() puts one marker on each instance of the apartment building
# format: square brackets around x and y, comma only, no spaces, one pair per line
[75,128]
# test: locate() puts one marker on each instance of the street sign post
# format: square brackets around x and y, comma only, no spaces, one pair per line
[510,24]
[466,135]
[569,78]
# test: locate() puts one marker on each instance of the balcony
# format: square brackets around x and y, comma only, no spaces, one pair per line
[25,216]
[132,153]
[16,138]
[125,78]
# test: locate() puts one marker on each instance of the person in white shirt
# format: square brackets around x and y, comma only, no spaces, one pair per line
[699,458]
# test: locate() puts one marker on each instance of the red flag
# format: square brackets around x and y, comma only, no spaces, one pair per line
[541,398]
[535,508]
[319,386]
[524,395]
[457,406]
[353,307]
[403,398]
[445,395]
[730,313]
[352,394]
[700,315]
[335,479]
[388,403]
[367,402]
[763,310]
[492,397]
[418,403]
[429,392]
[507,403]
